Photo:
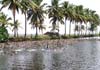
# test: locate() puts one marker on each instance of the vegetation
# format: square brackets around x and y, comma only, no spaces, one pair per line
[3,34]
[84,19]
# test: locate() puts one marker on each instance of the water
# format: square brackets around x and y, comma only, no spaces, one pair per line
[84,55]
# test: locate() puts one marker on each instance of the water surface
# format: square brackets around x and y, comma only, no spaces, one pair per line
[84,55]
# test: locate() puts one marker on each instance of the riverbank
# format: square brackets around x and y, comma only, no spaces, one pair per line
[56,43]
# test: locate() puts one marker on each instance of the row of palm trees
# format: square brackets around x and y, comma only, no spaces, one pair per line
[58,13]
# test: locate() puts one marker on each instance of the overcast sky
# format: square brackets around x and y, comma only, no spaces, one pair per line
[92,4]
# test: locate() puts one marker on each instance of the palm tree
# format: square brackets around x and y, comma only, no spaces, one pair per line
[80,18]
[93,27]
[77,29]
[24,7]
[4,20]
[65,12]
[55,14]
[72,16]
[16,27]
[36,16]
[94,22]
[42,27]
[88,18]
[14,6]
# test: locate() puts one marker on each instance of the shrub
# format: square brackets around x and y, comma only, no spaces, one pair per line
[3,34]
[41,37]
[53,35]
[64,37]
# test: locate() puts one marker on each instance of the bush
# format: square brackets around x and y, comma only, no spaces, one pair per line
[53,35]
[41,37]
[3,34]
[64,37]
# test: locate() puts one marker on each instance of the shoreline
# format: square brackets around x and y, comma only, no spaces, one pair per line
[56,43]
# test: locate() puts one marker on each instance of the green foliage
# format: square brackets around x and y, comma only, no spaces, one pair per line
[93,27]
[41,37]
[3,34]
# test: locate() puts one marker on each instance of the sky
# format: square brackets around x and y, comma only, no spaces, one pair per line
[91,4]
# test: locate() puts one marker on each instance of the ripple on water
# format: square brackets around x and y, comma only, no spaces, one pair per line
[82,56]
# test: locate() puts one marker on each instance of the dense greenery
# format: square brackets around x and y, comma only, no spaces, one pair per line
[3,34]
[58,13]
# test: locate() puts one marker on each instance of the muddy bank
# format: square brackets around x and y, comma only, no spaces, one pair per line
[39,44]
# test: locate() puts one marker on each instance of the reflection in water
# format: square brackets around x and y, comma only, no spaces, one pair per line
[37,61]
[3,62]
[47,60]
[56,61]
[82,56]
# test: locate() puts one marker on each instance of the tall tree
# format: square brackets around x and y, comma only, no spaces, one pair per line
[66,12]
[55,14]
[4,20]
[72,16]
[36,16]
[80,18]
[16,27]
[24,7]
[13,5]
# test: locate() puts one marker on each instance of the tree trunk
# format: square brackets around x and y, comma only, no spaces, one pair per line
[15,33]
[42,31]
[58,30]
[58,26]
[81,29]
[25,25]
[74,30]
[36,32]
[65,27]
[69,28]
[86,29]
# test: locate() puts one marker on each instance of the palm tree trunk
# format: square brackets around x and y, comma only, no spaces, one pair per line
[42,31]
[14,22]
[69,28]
[36,32]
[86,29]
[58,27]
[25,25]
[65,26]
[81,29]
[58,30]
[17,33]
[74,30]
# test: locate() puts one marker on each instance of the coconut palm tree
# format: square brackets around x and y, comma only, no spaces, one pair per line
[72,16]
[16,27]
[94,22]
[55,14]
[87,19]
[24,6]
[36,16]
[80,18]
[69,14]
[13,5]
[42,27]
[4,20]
[76,29]
[65,12]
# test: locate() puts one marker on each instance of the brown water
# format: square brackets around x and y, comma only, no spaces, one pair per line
[82,56]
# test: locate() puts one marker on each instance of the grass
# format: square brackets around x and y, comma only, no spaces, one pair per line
[45,37]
